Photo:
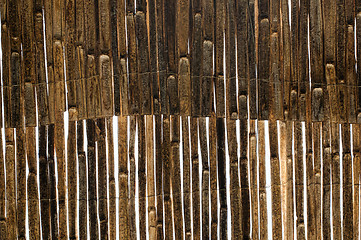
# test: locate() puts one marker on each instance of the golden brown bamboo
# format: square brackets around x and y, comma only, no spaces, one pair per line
[252,83]
[111,180]
[152,215]
[123,177]
[253,179]
[358,55]
[10,184]
[356,179]
[102,177]
[185,93]
[59,141]
[335,166]
[182,27]
[312,134]
[236,210]
[92,183]
[20,181]
[347,227]
[299,183]
[196,63]
[244,170]
[143,63]
[326,181]
[294,58]
[52,183]
[168,214]
[176,178]
[142,176]
[262,180]
[285,47]
[3,224]
[105,80]
[131,172]
[241,20]
[186,178]
[231,98]
[213,176]
[351,73]
[72,179]
[205,177]
[32,185]
[82,201]
[207,80]
[195,178]
[219,48]
[159,175]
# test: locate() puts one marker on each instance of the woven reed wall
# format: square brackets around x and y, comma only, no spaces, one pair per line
[206,95]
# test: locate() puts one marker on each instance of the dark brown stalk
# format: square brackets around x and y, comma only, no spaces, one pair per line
[236,210]
[219,48]
[186,178]
[72,179]
[176,177]
[82,165]
[159,175]
[262,181]
[142,177]
[195,178]
[33,197]
[131,172]
[326,181]
[335,166]
[213,176]
[123,177]
[92,183]
[21,181]
[299,183]
[356,179]
[253,179]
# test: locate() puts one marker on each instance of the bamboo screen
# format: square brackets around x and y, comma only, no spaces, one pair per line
[180,119]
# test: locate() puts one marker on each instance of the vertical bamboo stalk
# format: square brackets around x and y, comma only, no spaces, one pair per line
[275,181]
[299,183]
[196,63]
[21,181]
[335,166]
[195,179]
[219,48]
[207,73]
[123,177]
[111,180]
[236,213]
[231,98]
[304,96]
[285,56]
[3,224]
[242,34]
[356,179]
[287,178]
[176,177]
[326,181]
[351,73]
[221,160]
[358,55]
[263,62]
[142,176]
[82,165]
[252,83]
[347,183]
[244,171]
[205,177]
[168,215]
[185,94]
[102,178]
[33,198]
[52,183]
[153,63]
[131,198]
[69,44]
[213,176]
[253,179]
[186,178]
[132,62]
[162,64]
[159,175]
[59,141]
[143,62]
[105,80]
[152,216]
[72,179]
[312,132]
[262,181]
[293,87]
[10,184]
[92,183]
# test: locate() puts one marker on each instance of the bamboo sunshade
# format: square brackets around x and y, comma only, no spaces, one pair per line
[180,119]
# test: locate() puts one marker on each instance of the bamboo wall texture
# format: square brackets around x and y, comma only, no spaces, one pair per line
[180,119]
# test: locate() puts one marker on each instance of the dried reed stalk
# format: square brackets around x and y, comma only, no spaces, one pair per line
[326,180]
[131,172]
[335,166]
[299,183]
[213,176]
[159,175]
[262,181]
[123,177]
[82,166]
[195,178]
[21,181]
[33,197]
[72,179]
[205,177]
[253,178]
[142,176]
[176,177]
